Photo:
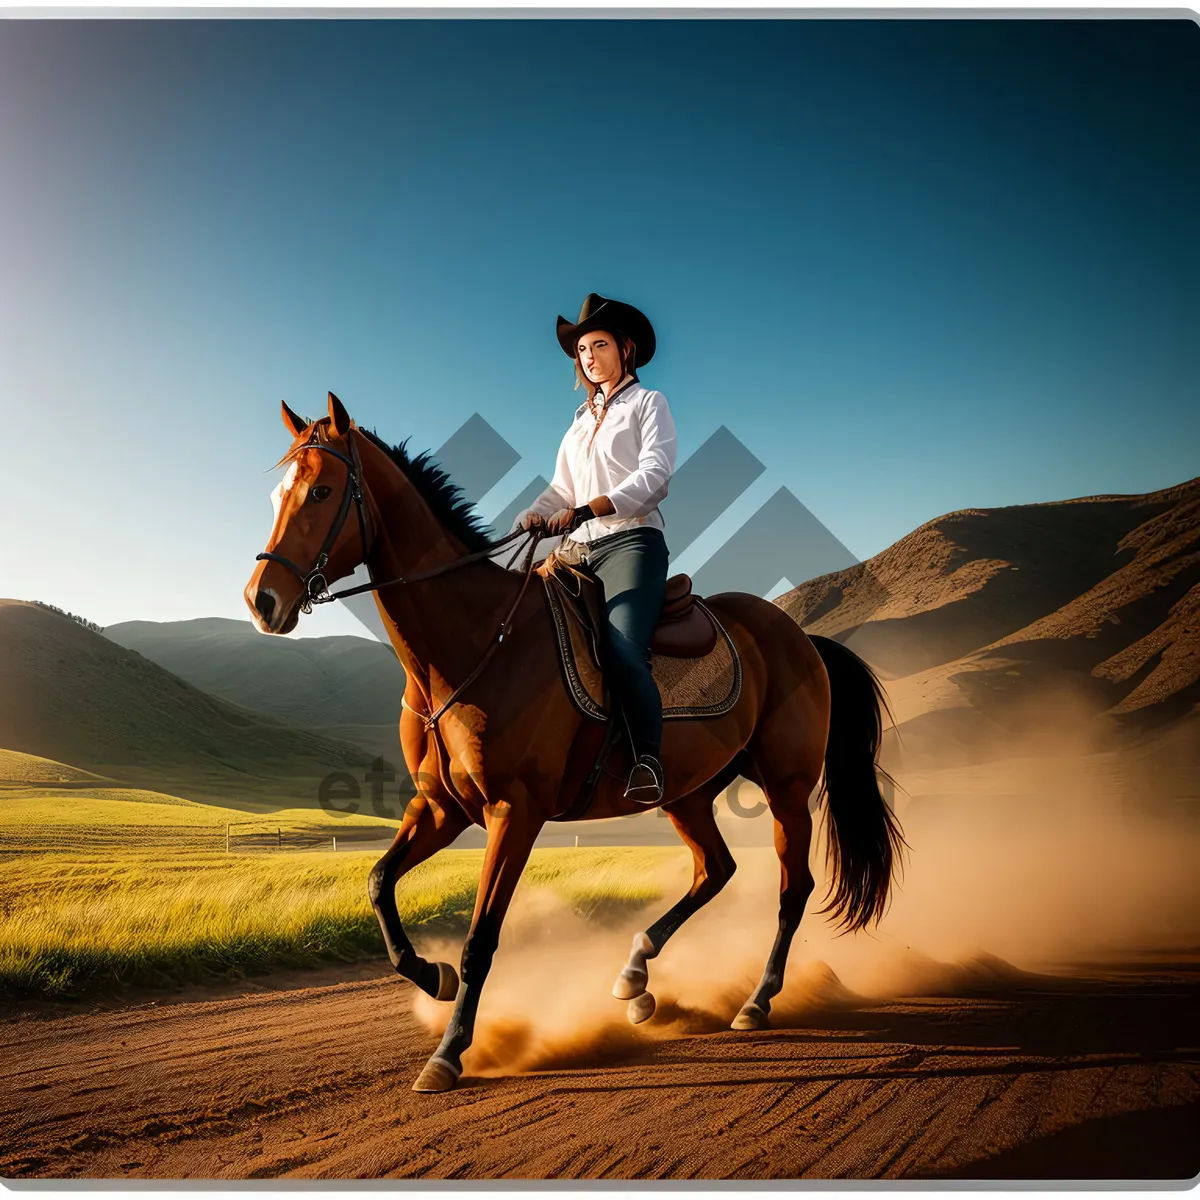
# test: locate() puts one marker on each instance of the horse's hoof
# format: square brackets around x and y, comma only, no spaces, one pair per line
[438,1076]
[447,982]
[641,1008]
[630,983]
[751,1017]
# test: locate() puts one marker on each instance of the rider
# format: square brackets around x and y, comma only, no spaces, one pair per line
[614,465]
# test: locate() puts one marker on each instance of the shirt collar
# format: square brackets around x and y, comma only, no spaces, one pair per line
[620,394]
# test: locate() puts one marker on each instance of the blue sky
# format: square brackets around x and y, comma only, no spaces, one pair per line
[913,265]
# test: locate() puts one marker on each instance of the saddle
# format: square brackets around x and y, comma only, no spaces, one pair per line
[693,659]
[684,629]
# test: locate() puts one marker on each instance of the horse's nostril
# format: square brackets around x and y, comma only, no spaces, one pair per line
[265,603]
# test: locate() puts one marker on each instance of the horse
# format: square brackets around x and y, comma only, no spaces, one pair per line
[491,737]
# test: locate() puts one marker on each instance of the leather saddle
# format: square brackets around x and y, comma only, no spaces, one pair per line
[684,629]
[694,661]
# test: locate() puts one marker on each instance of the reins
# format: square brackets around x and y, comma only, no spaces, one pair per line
[535,536]
[327,596]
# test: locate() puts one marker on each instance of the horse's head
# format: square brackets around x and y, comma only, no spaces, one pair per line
[321,521]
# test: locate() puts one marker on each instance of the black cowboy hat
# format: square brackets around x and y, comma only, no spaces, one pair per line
[598,312]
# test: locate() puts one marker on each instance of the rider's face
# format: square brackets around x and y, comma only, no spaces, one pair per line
[599,356]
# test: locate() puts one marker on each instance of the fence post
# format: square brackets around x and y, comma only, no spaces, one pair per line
[335,843]
[279,844]
[226,837]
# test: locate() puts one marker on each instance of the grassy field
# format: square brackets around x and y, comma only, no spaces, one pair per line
[39,793]
[102,807]
[87,906]
[102,915]
[72,926]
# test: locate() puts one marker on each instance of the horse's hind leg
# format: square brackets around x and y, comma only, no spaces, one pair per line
[692,816]
[426,829]
[788,799]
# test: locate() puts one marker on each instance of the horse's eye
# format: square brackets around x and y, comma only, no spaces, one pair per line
[320,492]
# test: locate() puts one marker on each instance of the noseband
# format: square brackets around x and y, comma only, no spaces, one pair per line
[316,588]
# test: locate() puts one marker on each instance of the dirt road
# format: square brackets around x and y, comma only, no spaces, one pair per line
[1079,1078]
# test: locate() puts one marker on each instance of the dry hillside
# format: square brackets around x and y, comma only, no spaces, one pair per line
[1078,614]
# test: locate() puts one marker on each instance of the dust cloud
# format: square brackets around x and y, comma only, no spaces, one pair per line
[1021,872]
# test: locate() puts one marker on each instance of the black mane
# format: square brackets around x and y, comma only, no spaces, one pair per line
[442,495]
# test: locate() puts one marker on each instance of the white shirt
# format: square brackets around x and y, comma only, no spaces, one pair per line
[630,461]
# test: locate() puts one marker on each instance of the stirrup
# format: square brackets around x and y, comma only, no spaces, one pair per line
[645,784]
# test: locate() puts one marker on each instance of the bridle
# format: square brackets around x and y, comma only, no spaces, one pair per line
[316,588]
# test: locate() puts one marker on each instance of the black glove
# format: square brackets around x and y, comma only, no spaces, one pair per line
[582,513]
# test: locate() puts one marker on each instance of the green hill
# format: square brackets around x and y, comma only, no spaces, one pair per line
[342,687]
[76,697]
[19,770]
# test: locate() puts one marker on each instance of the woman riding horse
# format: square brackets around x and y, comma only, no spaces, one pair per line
[491,736]
[620,451]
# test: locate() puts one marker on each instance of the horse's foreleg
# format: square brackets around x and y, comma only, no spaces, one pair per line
[511,834]
[427,828]
[714,866]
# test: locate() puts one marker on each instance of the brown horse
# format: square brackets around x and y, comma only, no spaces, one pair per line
[500,744]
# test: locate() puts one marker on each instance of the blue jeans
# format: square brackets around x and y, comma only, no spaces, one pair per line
[632,565]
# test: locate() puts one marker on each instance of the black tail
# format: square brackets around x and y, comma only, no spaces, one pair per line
[864,836]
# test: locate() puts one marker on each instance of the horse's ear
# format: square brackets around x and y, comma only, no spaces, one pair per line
[339,418]
[296,425]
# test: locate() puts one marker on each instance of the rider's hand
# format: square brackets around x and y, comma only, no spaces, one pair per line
[532,520]
[560,520]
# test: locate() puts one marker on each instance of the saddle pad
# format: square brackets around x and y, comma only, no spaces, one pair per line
[689,687]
